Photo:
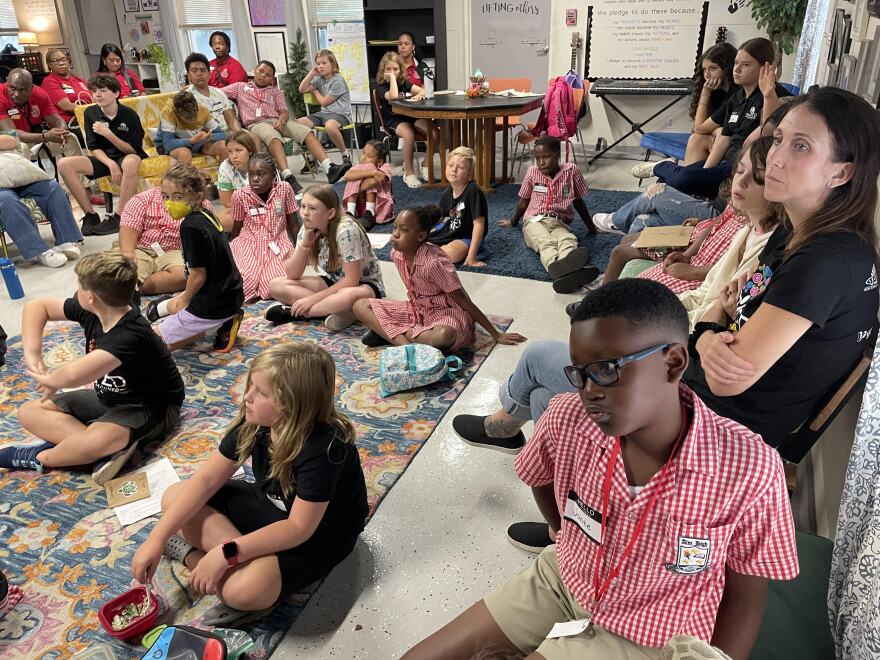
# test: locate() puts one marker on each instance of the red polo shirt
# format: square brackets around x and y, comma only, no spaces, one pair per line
[74,89]
[32,114]
[227,72]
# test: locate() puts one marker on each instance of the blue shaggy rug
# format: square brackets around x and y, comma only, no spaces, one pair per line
[503,249]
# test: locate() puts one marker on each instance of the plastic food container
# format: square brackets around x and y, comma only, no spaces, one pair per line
[139,625]
[97,652]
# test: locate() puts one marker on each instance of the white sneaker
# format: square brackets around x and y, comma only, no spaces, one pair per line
[69,250]
[51,259]
[603,223]
[340,321]
[412,181]
[646,170]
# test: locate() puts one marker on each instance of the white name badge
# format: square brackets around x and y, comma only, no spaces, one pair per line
[12,112]
[258,112]
[568,628]
[585,517]
[733,118]
[274,247]
[157,249]
[541,189]
[279,209]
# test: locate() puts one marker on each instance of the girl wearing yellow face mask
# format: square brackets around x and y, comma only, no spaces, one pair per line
[214,294]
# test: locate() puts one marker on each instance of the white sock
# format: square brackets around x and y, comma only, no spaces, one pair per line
[162,308]
[325,165]
[352,208]
[371,207]
[285,173]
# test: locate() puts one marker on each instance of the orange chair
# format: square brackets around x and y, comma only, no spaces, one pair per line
[386,136]
[520,85]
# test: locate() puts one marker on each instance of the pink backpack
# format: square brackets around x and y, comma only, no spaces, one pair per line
[558,116]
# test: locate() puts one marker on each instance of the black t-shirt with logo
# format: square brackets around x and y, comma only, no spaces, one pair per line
[204,246]
[326,470]
[831,282]
[389,117]
[739,115]
[148,375]
[126,125]
[459,214]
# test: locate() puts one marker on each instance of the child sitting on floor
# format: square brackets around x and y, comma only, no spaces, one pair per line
[253,543]
[263,213]
[213,295]
[186,127]
[465,211]
[546,197]
[438,311]
[233,172]
[667,518]
[335,243]
[367,195]
[137,389]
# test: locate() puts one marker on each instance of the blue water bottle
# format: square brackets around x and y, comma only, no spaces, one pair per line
[10,277]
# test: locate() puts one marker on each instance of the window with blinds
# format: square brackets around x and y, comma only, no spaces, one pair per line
[323,12]
[8,22]
[199,13]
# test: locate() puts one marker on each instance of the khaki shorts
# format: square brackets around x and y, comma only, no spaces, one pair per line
[528,606]
[148,263]
[266,131]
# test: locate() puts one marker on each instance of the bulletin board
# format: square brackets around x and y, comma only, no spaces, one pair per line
[645,39]
[141,28]
[41,17]
[349,44]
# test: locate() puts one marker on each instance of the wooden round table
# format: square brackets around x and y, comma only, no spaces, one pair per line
[470,122]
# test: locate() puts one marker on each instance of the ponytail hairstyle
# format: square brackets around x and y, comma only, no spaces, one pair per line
[380,149]
[189,180]
[325,194]
[303,378]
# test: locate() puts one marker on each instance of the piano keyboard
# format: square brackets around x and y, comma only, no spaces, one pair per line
[642,87]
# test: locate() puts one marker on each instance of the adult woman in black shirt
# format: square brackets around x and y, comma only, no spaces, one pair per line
[775,344]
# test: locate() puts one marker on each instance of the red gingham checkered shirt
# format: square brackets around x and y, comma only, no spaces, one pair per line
[248,97]
[146,213]
[567,186]
[724,485]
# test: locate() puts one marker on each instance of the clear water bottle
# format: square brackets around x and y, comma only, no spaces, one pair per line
[10,277]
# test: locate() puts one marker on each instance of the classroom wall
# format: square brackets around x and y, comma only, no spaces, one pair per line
[67,25]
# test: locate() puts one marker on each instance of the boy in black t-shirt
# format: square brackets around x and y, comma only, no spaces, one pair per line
[137,390]
[115,138]
[214,290]
[465,211]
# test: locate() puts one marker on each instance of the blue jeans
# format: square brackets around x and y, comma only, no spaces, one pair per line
[665,209]
[693,179]
[538,377]
[17,221]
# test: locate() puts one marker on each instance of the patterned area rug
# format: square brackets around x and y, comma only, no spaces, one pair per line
[66,549]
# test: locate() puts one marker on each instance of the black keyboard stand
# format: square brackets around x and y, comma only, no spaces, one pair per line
[634,126]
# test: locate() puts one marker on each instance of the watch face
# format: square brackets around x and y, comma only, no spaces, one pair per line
[230,550]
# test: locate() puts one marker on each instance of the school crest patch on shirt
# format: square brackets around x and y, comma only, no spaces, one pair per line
[692,556]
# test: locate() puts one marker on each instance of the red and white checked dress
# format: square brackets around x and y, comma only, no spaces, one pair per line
[262,223]
[384,199]
[723,229]
[428,305]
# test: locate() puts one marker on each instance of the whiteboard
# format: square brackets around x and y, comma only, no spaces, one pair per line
[349,44]
[645,38]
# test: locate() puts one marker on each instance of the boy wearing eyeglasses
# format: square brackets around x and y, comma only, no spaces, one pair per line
[667,518]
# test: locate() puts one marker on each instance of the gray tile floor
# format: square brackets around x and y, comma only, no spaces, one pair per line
[437,542]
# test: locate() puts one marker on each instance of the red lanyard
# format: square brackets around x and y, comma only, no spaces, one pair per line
[599,591]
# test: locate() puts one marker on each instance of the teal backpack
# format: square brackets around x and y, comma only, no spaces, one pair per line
[414,365]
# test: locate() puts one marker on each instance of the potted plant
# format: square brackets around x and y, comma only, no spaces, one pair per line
[157,55]
[297,69]
[782,19]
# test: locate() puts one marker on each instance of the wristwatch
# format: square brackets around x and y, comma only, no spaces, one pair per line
[699,329]
[230,553]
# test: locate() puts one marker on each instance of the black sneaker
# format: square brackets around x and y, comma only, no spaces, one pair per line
[152,312]
[374,339]
[573,261]
[571,308]
[109,225]
[529,536]
[308,168]
[367,220]
[296,185]
[472,429]
[226,334]
[89,222]
[346,160]
[574,281]
[278,314]
[336,172]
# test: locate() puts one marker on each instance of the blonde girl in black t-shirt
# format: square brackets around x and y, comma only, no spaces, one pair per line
[253,543]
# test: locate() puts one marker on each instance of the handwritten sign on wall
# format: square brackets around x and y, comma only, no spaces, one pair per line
[645,38]
[348,43]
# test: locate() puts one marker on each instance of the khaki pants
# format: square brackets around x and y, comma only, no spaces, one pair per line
[265,130]
[527,607]
[549,237]
[148,262]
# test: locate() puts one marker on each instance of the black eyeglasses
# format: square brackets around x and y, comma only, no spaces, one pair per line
[605,372]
